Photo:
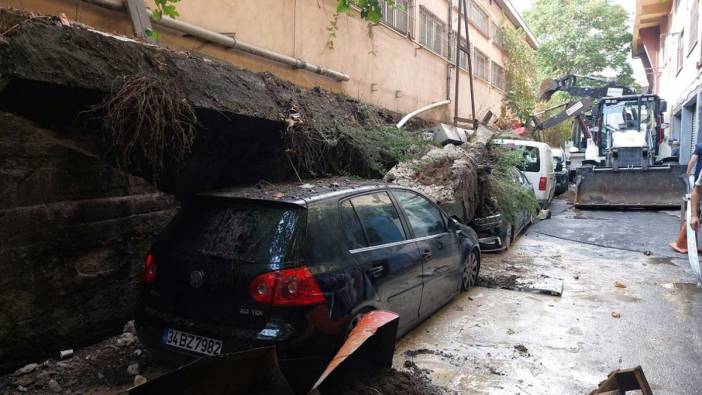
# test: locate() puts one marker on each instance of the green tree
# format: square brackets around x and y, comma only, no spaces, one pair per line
[583,37]
[520,98]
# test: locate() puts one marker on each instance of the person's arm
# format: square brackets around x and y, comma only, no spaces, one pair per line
[695,207]
[691,164]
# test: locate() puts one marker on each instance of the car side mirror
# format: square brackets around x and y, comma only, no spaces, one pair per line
[567,163]
[559,167]
[663,107]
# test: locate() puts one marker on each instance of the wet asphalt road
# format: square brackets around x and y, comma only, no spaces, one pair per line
[497,341]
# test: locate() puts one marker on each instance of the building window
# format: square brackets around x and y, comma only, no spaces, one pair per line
[396,16]
[694,18]
[681,44]
[498,37]
[481,65]
[463,54]
[431,31]
[480,19]
[498,76]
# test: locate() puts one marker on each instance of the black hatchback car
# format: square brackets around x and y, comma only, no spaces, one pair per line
[245,268]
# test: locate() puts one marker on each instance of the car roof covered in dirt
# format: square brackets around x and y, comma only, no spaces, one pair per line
[299,192]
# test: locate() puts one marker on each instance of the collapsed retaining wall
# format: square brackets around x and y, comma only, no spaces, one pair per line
[73,228]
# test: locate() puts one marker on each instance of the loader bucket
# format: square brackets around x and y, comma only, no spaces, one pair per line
[547,89]
[253,371]
[372,343]
[625,188]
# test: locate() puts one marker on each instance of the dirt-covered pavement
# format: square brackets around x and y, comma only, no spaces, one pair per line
[627,300]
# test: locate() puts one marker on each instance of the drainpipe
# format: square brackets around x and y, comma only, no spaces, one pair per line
[411,115]
[230,42]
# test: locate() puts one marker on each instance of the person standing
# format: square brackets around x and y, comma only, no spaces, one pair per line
[695,162]
[694,166]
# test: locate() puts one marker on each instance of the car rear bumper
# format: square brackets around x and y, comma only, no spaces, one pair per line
[289,340]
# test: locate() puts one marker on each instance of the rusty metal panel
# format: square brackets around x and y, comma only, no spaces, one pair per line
[372,340]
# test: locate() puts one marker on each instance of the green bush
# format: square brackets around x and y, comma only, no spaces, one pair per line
[506,196]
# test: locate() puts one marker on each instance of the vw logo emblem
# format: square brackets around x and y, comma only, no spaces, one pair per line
[196,278]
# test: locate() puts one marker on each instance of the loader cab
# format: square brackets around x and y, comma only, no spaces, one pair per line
[628,130]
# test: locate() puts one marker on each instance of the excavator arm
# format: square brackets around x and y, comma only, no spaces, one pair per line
[568,84]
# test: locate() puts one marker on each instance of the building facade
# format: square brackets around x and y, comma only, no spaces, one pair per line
[403,63]
[666,38]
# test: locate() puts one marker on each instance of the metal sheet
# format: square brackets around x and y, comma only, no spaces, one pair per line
[655,187]
[375,334]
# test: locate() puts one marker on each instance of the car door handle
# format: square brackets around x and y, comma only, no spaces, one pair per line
[427,256]
[376,270]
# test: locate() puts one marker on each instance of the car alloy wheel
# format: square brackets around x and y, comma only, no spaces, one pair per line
[470,272]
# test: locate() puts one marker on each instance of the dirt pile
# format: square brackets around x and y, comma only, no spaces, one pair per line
[110,366]
[250,126]
[452,176]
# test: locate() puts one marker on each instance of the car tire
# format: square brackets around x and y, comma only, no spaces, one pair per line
[470,271]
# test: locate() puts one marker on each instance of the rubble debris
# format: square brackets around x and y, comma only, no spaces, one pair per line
[63,354]
[541,284]
[622,380]
[139,380]
[101,367]
[616,314]
[26,369]
[619,284]
[522,350]
[452,176]
[54,386]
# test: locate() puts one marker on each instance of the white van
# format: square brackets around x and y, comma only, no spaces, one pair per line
[538,167]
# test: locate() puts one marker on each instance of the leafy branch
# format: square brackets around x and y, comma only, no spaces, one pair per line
[370,11]
[163,7]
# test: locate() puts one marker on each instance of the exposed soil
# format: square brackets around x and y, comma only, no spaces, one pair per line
[390,382]
[106,367]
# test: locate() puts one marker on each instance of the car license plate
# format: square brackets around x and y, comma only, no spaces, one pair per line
[188,341]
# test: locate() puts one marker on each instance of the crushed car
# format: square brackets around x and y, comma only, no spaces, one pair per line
[296,268]
[497,231]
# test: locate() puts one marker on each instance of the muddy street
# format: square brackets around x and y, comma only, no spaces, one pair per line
[627,300]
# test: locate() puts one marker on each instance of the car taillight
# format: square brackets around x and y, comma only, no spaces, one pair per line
[542,184]
[287,287]
[150,269]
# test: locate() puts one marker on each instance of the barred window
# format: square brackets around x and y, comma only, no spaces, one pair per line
[694,18]
[481,65]
[396,16]
[498,37]
[498,76]
[480,19]
[431,31]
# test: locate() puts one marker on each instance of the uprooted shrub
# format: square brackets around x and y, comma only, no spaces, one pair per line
[506,195]
[362,151]
[147,121]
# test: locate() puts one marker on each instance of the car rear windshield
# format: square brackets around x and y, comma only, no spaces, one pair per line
[532,161]
[239,230]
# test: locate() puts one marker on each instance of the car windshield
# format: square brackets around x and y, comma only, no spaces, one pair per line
[238,230]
